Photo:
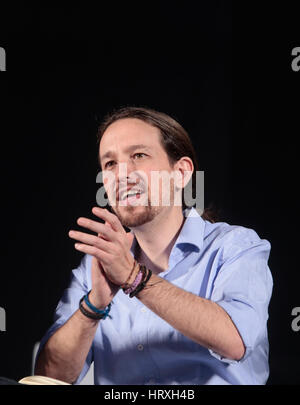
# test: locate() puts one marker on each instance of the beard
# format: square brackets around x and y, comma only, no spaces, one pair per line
[133,216]
[136,215]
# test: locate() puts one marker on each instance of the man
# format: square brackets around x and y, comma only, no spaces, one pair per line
[200,317]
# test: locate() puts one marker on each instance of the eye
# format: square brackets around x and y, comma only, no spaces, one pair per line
[139,155]
[109,164]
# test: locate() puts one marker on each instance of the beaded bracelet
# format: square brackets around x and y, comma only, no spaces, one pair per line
[136,282]
[142,285]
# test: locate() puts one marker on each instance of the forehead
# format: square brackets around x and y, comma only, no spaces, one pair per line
[129,131]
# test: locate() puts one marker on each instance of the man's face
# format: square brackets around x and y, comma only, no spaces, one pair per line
[130,150]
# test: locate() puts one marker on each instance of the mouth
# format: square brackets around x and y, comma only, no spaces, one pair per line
[131,196]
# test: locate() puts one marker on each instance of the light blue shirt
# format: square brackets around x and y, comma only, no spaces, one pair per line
[223,263]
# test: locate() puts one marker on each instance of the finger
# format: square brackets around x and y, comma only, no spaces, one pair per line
[106,224]
[91,240]
[112,219]
[93,251]
[102,229]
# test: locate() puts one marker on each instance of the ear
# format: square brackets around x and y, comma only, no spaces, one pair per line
[185,167]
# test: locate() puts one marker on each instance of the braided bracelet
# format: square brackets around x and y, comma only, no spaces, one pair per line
[95,309]
[125,284]
[100,314]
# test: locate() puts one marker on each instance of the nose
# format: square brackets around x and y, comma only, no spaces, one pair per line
[123,171]
[129,175]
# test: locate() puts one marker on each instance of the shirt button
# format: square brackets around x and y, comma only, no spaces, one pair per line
[143,309]
[140,347]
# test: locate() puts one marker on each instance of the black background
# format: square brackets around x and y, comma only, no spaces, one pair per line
[223,70]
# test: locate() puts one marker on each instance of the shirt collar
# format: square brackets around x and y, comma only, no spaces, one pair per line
[191,234]
[192,231]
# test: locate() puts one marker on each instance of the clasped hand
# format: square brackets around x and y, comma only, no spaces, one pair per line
[111,247]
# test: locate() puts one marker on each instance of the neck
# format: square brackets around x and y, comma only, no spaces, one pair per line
[156,238]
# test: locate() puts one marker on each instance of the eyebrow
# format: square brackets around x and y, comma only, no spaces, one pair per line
[130,148]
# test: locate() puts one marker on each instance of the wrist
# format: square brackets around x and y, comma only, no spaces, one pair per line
[132,273]
[93,312]
[155,282]
[98,303]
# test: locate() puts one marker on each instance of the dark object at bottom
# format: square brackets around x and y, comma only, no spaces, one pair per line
[8,381]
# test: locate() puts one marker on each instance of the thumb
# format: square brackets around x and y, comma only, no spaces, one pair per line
[130,237]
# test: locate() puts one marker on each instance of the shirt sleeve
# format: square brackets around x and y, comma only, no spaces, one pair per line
[69,303]
[243,287]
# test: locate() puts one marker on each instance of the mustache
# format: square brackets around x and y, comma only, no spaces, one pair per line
[136,182]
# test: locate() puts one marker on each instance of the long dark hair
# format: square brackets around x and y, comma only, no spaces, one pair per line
[174,139]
